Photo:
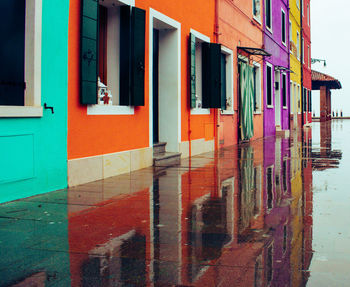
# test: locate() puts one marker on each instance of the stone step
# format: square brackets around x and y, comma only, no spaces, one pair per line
[166,159]
[159,148]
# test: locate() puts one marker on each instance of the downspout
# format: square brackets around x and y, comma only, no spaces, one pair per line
[302,63]
[216,111]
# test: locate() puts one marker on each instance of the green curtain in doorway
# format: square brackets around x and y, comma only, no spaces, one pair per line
[247,101]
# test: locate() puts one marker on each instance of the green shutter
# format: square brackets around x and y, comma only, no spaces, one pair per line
[125,55]
[138,57]
[12,30]
[223,81]
[211,79]
[192,55]
[89,52]
[246,77]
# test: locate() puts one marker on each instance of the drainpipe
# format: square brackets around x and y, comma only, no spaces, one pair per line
[216,111]
[302,65]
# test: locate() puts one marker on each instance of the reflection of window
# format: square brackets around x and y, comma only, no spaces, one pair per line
[269,187]
[285,186]
[256,9]
[20,57]
[285,237]
[269,265]
[258,273]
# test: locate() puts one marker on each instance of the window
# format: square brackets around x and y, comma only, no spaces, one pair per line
[284,90]
[310,99]
[205,74]
[112,55]
[308,14]
[308,56]
[256,9]
[20,53]
[290,36]
[226,80]
[269,86]
[257,88]
[298,46]
[302,7]
[268,14]
[303,51]
[298,97]
[283,27]
[304,100]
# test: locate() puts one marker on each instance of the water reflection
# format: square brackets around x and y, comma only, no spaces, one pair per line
[242,217]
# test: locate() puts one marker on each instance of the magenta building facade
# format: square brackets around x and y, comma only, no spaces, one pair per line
[276,66]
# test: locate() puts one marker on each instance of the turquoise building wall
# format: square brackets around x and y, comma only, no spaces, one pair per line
[33,151]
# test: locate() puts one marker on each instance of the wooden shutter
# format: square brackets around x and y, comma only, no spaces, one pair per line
[125,55]
[211,79]
[138,57]
[192,66]
[89,52]
[12,47]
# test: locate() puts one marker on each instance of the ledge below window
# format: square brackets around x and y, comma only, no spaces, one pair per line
[20,112]
[110,110]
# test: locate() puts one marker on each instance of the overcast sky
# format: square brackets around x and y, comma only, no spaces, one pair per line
[330,40]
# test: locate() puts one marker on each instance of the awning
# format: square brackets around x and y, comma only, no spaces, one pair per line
[283,69]
[254,51]
[319,79]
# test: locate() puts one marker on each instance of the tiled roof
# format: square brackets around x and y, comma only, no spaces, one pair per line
[320,79]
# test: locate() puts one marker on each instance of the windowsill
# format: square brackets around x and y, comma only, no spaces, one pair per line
[257,19]
[269,107]
[257,113]
[284,43]
[269,29]
[285,108]
[198,111]
[227,112]
[21,112]
[109,110]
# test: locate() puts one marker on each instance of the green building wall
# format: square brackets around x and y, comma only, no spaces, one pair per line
[33,151]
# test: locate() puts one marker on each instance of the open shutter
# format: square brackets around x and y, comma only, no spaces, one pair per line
[12,27]
[211,95]
[125,55]
[89,52]
[138,57]
[192,55]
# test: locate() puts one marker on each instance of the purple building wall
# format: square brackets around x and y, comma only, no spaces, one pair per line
[279,58]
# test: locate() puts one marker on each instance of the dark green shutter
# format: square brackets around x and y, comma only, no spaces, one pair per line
[125,55]
[223,81]
[192,55]
[89,52]
[211,79]
[138,57]
[12,47]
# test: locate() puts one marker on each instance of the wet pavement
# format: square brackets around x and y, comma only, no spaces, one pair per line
[272,213]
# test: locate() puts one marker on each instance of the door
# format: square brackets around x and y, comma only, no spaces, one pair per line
[155,86]
[277,99]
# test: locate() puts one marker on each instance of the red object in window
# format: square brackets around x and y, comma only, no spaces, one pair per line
[105,99]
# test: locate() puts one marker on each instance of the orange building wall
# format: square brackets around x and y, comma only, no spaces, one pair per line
[236,27]
[90,135]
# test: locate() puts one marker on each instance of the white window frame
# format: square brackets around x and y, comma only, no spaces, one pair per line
[99,109]
[201,38]
[256,18]
[229,79]
[269,28]
[298,45]
[303,49]
[308,56]
[290,36]
[272,85]
[258,77]
[32,68]
[297,4]
[308,15]
[285,28]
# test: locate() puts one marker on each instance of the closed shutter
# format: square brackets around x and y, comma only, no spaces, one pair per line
[12,47]
[132,56]
[192,55]
[89,52]
[125,55]
[138,57]
[211,92]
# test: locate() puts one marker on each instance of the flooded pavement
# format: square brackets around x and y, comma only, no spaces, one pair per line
[272,213]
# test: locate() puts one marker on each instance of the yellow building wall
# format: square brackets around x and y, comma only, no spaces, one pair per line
[295,56]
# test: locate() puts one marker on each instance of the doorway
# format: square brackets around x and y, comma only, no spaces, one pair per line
[165,85]
[277,99]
